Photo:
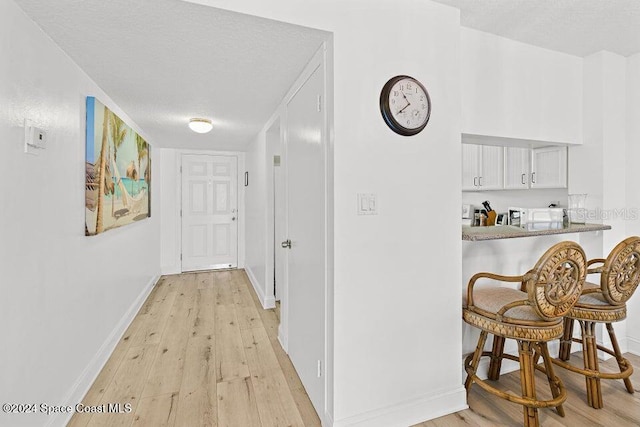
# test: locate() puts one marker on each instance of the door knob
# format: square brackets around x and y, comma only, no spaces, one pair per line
[233,218]
[286,244]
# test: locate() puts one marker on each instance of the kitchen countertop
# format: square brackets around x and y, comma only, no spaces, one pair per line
[509,232]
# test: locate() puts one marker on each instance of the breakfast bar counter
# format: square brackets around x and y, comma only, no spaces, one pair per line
[510,232]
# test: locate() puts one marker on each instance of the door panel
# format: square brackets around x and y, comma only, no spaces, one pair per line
[306,210]
[209,212]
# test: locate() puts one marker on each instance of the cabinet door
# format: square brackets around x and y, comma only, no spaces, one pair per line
[470,164]
[549,167]
[491,168]
[516,168]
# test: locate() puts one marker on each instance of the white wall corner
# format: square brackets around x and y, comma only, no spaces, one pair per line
[633,346]
[411,412]
[86,379]
[266,301]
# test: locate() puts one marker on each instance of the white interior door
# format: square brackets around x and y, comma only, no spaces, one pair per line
[209,212]
[306,230]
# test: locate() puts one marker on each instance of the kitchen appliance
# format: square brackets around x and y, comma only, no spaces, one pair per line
[467,214]
[577,209]
[536,218]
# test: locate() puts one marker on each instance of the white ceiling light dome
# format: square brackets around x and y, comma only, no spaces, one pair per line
[200,125]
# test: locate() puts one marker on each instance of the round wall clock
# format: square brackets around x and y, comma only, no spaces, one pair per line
[405,105]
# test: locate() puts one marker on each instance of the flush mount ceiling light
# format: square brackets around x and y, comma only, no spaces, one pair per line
[200,125]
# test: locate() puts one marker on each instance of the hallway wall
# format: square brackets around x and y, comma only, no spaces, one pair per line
[65,297]
[632,193]
[397,274]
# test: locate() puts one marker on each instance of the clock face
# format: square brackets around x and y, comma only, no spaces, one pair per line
[405,105]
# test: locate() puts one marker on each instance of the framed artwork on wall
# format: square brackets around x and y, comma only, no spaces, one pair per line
[117,172]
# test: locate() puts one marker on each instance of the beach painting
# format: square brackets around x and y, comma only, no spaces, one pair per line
[117,172]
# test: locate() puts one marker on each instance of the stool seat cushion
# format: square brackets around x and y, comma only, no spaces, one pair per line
[521,322]
[594,307]
[493,299]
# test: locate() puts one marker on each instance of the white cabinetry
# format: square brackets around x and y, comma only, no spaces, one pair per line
[549,167]
[482,167]
[516,168]
[489,167]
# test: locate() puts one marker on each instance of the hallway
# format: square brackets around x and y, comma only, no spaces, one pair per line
[201,352]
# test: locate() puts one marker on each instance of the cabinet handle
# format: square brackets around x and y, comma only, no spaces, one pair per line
[475,181]
[523,178]
[533,177]
[480,181]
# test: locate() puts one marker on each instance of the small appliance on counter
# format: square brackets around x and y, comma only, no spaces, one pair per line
[467,214]
[536,218]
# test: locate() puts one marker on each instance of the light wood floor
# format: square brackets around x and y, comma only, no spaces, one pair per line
[621,409]
[201,352]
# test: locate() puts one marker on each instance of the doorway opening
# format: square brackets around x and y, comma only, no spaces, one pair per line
[209,212]
[276,212]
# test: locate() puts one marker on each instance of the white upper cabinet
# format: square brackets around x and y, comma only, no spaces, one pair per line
[482,167]
[549,167]
[488,167]
[491,168]
[516,168]
[470,166]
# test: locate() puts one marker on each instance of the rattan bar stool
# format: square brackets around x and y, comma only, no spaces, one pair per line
[532,315]
[604,303]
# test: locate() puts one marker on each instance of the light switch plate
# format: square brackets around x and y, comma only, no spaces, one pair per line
[367,204]
[34,138]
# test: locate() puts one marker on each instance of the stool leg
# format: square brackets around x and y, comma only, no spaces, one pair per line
[565,341]
[496,358]
[527,382]
[621,360]
[551,376]
[476,358]
[590,353]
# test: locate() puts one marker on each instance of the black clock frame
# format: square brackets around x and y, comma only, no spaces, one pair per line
[385,108]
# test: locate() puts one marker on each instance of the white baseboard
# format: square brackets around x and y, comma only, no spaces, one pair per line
[168,270]
[266,301]
[633,346]
[327,420]
[411,412]
[90,373]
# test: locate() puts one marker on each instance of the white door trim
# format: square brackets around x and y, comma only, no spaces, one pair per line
[241,205]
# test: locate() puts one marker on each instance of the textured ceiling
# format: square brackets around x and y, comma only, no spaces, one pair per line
[165,61]
[577,27]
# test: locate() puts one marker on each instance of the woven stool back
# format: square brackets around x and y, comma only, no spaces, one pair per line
[555,283]
[621,271]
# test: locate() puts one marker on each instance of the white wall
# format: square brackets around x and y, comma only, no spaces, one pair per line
[513,89]
[396,274]
[170,212]
[632,193]
[256,213]
[259,260]
[63,294]
[598,167]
